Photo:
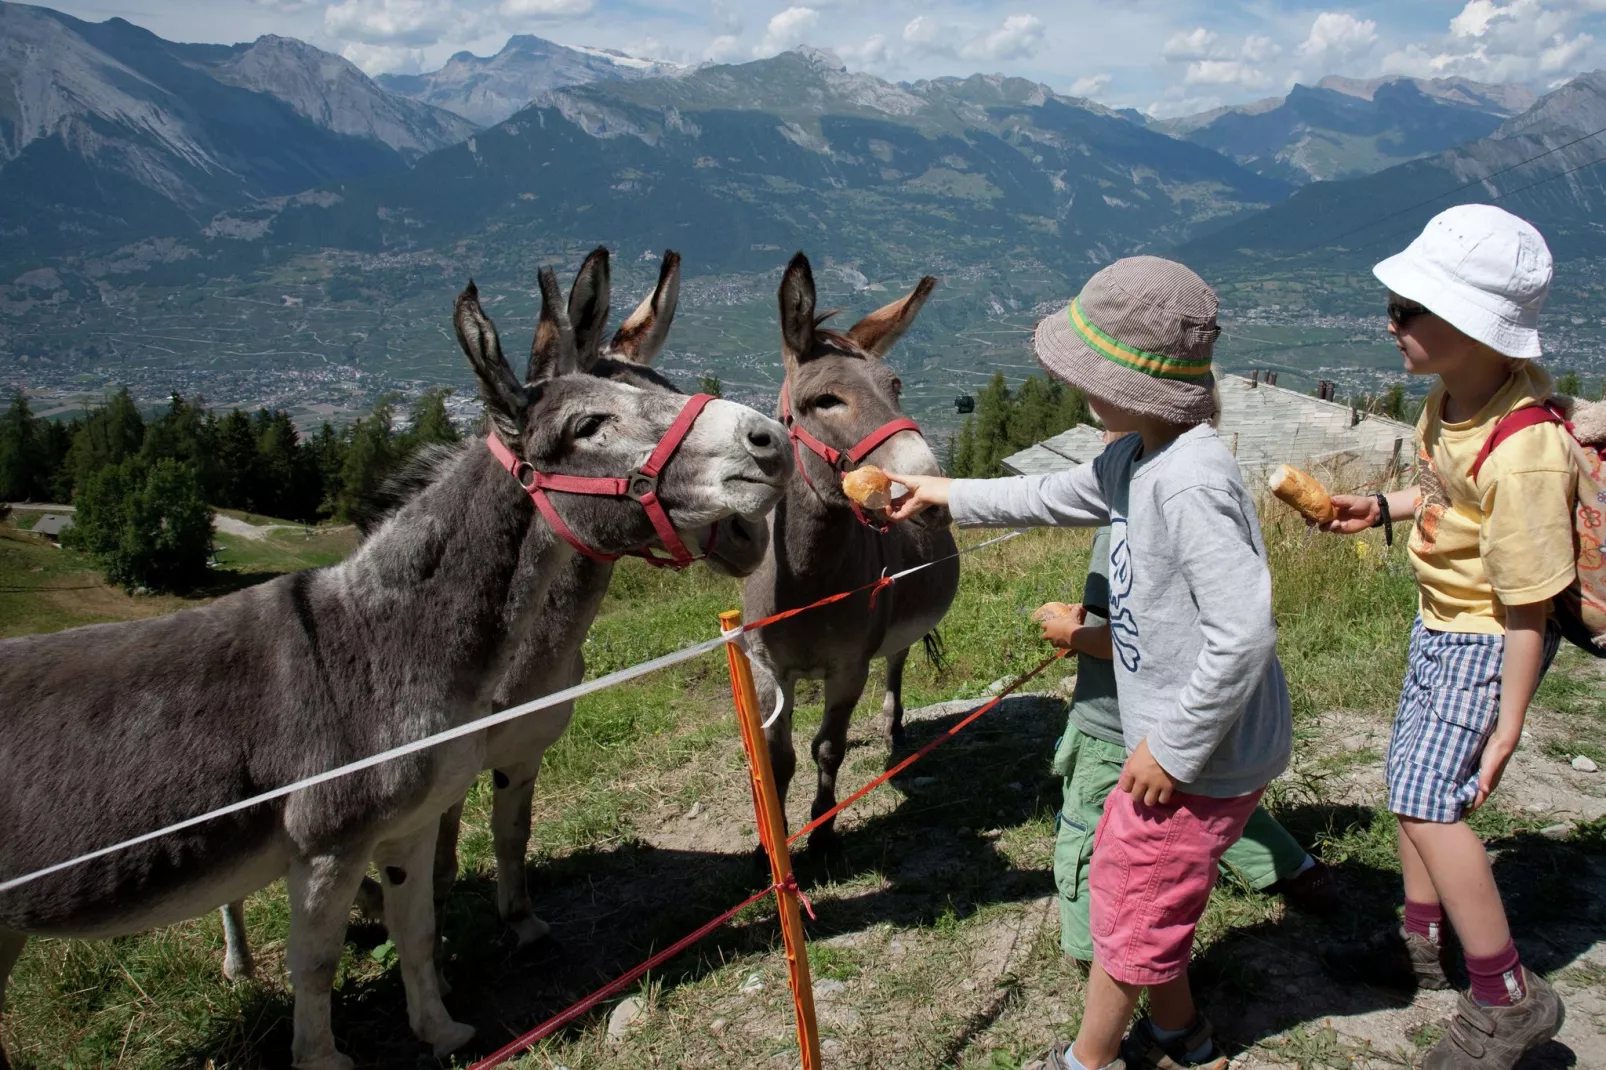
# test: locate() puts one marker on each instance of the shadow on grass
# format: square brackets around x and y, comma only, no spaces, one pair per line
[933,856]
[1277,962]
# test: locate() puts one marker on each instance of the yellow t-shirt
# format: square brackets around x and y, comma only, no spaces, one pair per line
[1506,540]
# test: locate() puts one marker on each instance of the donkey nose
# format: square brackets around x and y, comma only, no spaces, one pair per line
[763,438]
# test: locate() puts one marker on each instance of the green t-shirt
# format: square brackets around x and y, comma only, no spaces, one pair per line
[1094,708]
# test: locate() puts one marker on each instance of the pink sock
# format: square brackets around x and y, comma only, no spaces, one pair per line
[1424,919]
[1497,978]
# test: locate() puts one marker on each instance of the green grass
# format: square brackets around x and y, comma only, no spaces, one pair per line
[939,878]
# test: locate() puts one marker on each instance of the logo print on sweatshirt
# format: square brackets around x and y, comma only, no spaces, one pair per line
[1123,626]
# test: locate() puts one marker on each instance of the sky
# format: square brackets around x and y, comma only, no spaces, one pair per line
[1164,57]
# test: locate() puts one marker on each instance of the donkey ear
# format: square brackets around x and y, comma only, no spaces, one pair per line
[588,306]
[641,337]
[504,398]
[797,311]
[878,332]
[553,352]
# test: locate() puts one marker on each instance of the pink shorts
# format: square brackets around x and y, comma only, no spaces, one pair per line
[1150,878]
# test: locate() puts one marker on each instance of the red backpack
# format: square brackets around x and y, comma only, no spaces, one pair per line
[1581,608]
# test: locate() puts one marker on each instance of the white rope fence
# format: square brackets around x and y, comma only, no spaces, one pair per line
[568,694]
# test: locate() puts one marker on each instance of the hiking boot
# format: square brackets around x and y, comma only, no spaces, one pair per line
[1142,1050]
[1495,1038]
[1393,958]
[1313,891]
[1059,1058]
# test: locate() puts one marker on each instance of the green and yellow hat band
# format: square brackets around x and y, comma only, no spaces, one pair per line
[1159,365]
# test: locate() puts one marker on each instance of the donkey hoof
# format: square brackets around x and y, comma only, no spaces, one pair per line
[238,970]
[825,849]
[332,1061]
[530,930]
[451,1037]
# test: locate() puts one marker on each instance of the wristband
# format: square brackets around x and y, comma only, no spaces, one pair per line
[1385,519]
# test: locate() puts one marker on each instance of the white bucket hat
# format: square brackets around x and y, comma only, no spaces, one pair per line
[1482,270]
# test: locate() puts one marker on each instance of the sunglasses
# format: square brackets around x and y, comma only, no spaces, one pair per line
[1401,313]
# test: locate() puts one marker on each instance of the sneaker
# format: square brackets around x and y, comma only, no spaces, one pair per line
[1059,1058]
[1313,891]
[1392,958]
[1495,1038]
[1142,1050]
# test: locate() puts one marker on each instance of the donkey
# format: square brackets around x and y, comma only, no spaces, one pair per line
[165,718]
[549,658]
[840,405]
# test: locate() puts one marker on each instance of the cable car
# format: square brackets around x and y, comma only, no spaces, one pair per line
[964,403]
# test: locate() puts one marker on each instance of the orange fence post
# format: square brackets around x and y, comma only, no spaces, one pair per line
[772,833]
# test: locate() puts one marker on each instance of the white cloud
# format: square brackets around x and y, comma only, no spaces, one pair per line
[394,22]
[1018,38]
[787,30]
[384,59]
[1090,86]
[1226,72]
[724,48]
[875,51]
[546,9]
[1198,43]
[1519,41]
[1258,48]
[1336,36]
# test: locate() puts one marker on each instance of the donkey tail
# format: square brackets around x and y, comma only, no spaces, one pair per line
[936,652]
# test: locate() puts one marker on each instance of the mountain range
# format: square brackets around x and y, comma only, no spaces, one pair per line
[486,90]
[109,133]
[1344,128]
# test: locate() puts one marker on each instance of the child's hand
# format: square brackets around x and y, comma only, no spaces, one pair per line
[1062,631]
[1356,513]
[1144,780]
[1496,754]
[924,492]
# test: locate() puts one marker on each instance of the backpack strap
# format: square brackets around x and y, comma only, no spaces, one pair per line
[1517,420]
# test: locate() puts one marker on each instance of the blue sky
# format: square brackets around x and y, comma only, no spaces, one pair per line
[1166,57]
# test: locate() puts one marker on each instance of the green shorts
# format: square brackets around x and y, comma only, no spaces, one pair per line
[1265,855]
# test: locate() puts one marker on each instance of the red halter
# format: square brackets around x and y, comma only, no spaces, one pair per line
[840,462]
[642,485]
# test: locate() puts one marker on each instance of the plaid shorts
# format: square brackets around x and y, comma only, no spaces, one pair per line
[1448,709]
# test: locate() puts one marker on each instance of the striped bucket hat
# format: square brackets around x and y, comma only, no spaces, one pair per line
[1139,336]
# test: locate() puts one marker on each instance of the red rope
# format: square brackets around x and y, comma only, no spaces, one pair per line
[922,752]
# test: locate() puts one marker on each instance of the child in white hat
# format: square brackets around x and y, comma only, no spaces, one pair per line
[1492,545]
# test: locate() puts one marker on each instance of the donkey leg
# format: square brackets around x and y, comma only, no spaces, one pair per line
[11,945]
[842,691]
[451,824]
[237,965]
[892,704]
[320,889]
[410,917]
[510,828]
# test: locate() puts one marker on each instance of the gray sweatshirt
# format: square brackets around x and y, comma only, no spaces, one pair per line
[1190,601]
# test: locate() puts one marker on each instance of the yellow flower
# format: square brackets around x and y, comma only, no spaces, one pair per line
[1362,548]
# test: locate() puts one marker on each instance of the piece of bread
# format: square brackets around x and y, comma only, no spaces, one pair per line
[870,487]
[1050,611]
[1304,493]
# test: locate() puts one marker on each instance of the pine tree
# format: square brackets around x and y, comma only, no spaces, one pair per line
[186,433]
[992,428]
[111,434]
[709,384]
[235,447]
[1569,385]
[370,457]
[23,454]
[279,465]
[962,450]
[430,423]
[329,456]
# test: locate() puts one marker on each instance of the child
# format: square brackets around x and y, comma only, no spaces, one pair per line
[1089,759]
[1490,552]
[1204,708]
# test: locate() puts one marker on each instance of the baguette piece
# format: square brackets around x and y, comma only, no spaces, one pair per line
[870,487]
[1304,493]
[1050,611]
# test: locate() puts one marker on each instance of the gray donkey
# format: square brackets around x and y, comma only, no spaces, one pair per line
[549,658]
[840,404]
[162,719]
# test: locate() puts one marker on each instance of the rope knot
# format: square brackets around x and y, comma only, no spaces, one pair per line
[790,885]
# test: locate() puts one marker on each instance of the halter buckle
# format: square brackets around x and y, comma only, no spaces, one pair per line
[642,484]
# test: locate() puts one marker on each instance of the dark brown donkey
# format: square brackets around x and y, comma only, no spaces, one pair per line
[841,397]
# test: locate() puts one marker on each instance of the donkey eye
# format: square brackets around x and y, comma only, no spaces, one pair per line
[827,401]
[587,426]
